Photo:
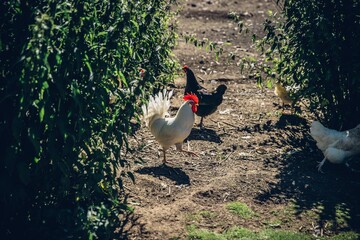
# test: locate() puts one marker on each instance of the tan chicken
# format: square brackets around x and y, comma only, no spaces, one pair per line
[336,146]
[169,131]
[283,94]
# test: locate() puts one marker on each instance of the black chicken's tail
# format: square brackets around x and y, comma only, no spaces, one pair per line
[221,89]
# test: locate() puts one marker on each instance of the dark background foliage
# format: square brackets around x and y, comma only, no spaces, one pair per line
[315,45]
[70,87]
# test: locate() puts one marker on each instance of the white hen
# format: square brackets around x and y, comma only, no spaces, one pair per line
[170,131]
[336,146]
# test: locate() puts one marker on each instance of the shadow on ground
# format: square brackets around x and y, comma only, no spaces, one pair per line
[204,134]
[175,174]
[331,195]
[130,221]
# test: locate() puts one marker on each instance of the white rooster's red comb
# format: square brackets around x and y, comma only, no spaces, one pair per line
[191,96]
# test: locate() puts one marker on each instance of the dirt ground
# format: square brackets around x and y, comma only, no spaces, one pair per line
[250,151]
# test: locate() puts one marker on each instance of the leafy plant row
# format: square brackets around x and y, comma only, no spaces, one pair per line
[314,46]
[70,91]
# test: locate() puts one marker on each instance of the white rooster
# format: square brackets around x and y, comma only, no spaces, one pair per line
[168,130]
[336,146]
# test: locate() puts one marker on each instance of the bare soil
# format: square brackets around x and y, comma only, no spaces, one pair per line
[250,150]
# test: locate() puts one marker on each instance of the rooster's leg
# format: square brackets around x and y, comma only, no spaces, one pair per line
[179,148]
[321,164]
[283,107]
[164,160]
[201,122]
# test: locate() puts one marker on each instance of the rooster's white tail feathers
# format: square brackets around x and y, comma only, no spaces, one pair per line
[324,136]
[336,146]
[157,107]
[337,156]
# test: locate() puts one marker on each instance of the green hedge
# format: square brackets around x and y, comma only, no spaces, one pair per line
[63,142]
[316,46]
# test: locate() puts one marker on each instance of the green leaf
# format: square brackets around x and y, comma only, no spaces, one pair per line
[101,34]
[122,78]
[42,113]
[45,85]
[136,25]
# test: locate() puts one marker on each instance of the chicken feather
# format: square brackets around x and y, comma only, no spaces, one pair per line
[169,131]
[208,101]
[283,94]
[336,146]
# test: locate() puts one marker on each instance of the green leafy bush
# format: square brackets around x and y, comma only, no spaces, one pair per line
[70,87]
[315,45]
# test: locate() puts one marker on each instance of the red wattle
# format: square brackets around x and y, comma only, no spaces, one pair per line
[194,108]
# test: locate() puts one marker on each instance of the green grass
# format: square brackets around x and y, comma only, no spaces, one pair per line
[201,215]
[346,236]
[273,223]
[203,234]
[283,235]
[240,209]
[341,220]
[245,234]
[239,233]
[280,217]
[342,214]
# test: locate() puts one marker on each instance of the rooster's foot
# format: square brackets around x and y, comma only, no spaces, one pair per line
[321,164]
[165,163]
[190,153]
[169,169]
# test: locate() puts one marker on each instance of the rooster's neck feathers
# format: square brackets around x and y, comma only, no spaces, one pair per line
[191,82]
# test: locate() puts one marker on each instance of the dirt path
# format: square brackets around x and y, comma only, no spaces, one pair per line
[249,151]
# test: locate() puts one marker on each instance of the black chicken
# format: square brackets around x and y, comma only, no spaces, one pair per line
[208,101]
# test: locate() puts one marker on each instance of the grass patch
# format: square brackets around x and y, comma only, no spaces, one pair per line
[282,215]
[246,234]
[290,209]
[342,214]
[283,235]
[274,223]
[201,215]
[240,209]
[346,236]
[207,214]
[203,234]
[341,220]
[239,233]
